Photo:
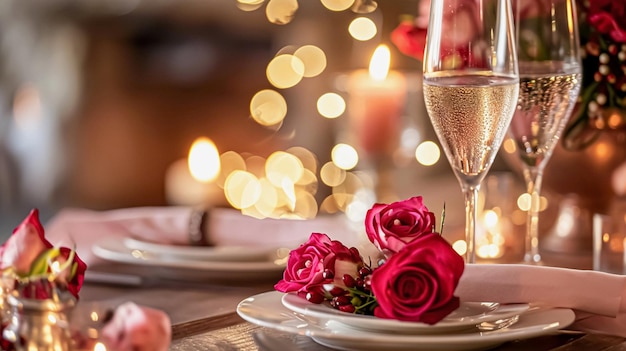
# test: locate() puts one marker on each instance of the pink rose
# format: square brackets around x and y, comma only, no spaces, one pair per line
[137,328]
[317,262]
[391,227]
[27,244]
[417,283]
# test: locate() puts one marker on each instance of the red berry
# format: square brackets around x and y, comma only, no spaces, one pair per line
[342,300]
[337,291]
[349,281]
[347,308]
[364,271]
[314,297]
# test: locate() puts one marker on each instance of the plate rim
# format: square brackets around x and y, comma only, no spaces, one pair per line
[208,253]
[307,308]
[271,300]
[111,249]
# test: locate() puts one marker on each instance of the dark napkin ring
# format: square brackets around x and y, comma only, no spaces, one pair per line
[197,227]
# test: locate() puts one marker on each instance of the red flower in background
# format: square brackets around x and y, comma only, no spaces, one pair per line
[410,36]
[608,17]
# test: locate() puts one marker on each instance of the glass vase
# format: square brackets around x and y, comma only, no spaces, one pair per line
[39,325]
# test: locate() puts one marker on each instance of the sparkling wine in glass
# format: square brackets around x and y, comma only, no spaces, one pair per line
[471,88]
[550,80]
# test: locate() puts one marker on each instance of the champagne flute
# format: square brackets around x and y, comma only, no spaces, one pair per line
[471,87]
[550,80]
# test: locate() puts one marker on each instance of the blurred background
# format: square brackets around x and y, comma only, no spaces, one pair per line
[102,100]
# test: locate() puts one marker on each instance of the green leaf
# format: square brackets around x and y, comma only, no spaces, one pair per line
[40,265]
[443,218]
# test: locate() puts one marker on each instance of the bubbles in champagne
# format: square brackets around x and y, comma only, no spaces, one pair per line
[471,115]
[544,107]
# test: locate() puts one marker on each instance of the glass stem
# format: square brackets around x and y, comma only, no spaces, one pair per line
[471,196]
[533,176]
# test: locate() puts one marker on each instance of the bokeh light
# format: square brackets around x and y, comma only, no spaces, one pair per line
[282,165]
[281,11]
[427,153]
[460,246]
[332,175]
[313,58]
[362,29]
[249,5]
[268,107]
[524,200]
[308,158]
[242,189]
[337,5]
[509,146]
[285,71]
[230,161]
[331,105]
[344,156]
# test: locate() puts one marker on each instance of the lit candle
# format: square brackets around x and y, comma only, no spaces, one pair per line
[191,181]
[490,241]
[376,103]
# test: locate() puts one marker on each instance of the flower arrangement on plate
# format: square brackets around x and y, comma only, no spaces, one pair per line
[413,280]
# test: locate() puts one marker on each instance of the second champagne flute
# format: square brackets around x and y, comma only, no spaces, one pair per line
[471,88]
[550,79]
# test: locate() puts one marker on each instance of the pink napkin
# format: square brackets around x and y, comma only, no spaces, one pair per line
[597,298]
[170,225]
[137,328]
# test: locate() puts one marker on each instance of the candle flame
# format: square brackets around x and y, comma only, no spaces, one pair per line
[379,64]
[99,347]
[204,160]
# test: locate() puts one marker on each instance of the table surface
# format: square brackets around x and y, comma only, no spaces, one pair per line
[204,318]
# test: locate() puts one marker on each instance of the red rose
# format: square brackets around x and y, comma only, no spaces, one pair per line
[28,245]
[317,262]
[606,24]
[417,283]
[391,227]
[409,39]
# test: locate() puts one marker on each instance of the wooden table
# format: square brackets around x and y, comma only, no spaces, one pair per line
[204,318]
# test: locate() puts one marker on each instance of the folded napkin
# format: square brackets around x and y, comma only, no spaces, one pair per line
[598,299]
[170,225]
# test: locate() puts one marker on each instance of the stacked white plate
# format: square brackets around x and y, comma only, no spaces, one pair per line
[213,262]
[467,328]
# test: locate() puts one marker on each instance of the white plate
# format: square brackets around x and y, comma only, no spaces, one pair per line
[468,315]
[267,310]
[203,253]
[114,250]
